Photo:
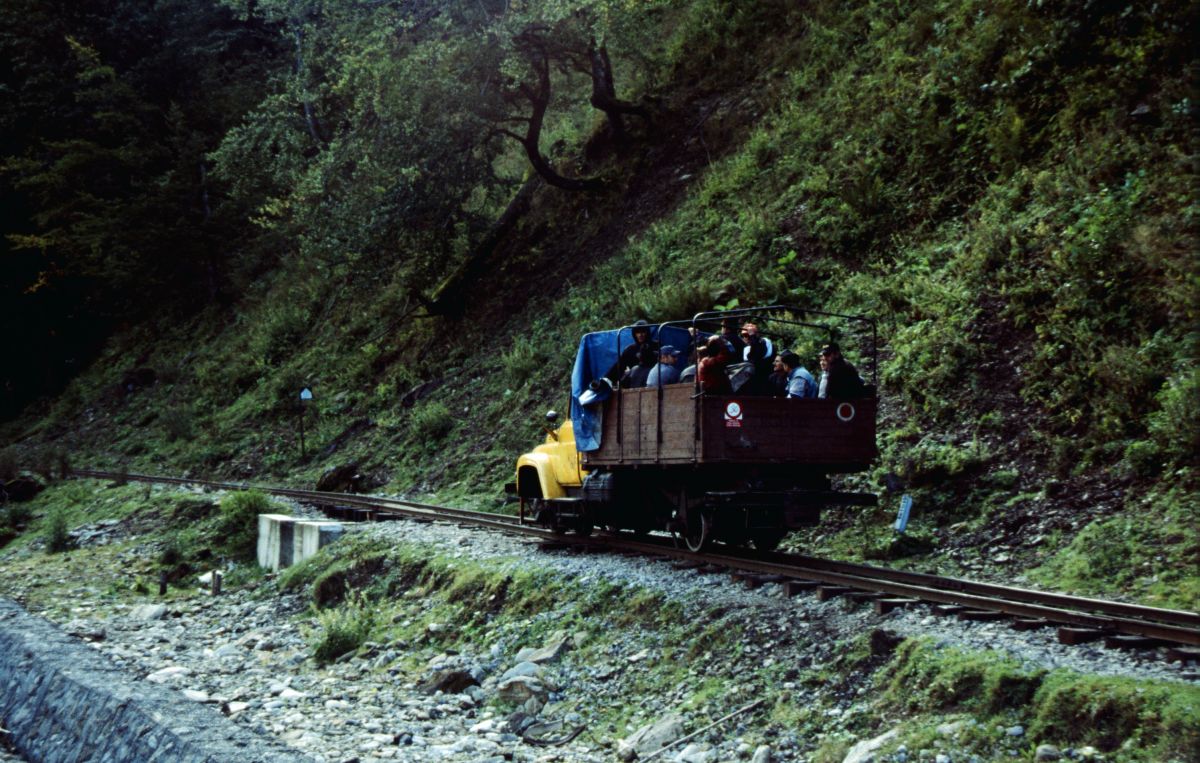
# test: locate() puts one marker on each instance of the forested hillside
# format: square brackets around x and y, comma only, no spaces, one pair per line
[416,208]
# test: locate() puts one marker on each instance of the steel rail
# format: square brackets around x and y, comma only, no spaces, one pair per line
[392,506]
[1013,593]
[1116,617]
[882,580]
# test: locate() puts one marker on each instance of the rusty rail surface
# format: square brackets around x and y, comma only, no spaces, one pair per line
[1113,617]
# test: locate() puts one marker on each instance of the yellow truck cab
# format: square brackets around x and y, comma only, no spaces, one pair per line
[551,470]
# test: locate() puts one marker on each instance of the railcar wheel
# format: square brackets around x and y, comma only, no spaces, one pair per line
[698,533]
[545,516]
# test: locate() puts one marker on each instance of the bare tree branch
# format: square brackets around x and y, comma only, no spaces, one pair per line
[604,92]
[532,42]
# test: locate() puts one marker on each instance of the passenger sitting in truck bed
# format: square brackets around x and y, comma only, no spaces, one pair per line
[688,374]
[730,334]
[665,371]
[711,370]
[637,376]
[778,378]
[629,353]
[800,383]
[761,352]
[839,379]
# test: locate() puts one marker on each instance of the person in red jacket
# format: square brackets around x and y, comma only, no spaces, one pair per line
[711,371]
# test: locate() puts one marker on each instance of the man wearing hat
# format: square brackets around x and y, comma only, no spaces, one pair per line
[629,355]
[665,371]
[839,379]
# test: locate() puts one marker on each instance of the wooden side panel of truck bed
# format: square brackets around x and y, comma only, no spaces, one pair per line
[641,430]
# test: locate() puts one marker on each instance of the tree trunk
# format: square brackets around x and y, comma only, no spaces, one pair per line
[210,259]
[540,100]
[450,299]
[533,43]
[310,116]
[604,93]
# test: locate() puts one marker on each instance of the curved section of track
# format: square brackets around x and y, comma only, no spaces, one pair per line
[1108,617]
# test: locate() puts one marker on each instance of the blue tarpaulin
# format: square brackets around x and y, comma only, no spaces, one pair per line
[597,353]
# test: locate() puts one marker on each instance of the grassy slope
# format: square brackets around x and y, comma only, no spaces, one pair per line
[1006,188]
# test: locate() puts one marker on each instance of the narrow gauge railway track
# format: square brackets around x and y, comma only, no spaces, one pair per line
[1079,618]
[369,508]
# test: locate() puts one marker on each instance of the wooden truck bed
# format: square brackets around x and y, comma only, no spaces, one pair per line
[733,429]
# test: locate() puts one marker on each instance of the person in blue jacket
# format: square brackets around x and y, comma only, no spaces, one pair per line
[665,372]
[800,383]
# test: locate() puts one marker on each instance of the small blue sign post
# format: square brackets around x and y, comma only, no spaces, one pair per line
[902,516]
[306,397]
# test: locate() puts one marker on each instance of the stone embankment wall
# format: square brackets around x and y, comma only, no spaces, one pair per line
[63,702]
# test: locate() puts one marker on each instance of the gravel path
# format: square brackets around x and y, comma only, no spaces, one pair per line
[244,652]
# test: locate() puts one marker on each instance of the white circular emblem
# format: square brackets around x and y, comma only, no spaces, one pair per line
[845,411]
[733,410]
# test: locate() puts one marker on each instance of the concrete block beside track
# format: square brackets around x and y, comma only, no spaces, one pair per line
[311,537]
[276,541]
[64,702]
[284,541]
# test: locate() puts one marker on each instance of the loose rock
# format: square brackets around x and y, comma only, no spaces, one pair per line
[864,751]
[651,737]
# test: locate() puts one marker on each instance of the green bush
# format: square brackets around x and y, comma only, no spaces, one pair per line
[431,421]
[1143,458]
[46,460]
[523,361]
[663,302]
[923,677]
[178,423]
[931,462]
[237,524]
[1101,551]
[241,575]
[58,532]
[181,553]
[173,552]
[281,330]
[1005,479]
[1109,712]
[342,630]
[1175,426]
[16,515]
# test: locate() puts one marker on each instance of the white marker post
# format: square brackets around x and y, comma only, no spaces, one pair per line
[306,397]
[902,516]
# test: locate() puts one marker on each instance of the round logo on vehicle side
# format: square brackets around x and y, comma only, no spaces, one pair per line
[733,414]
[845,411]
